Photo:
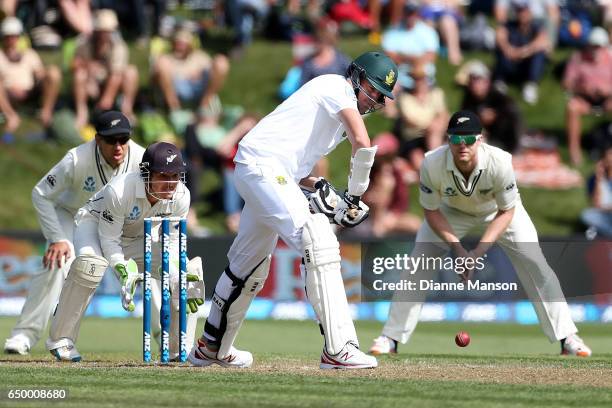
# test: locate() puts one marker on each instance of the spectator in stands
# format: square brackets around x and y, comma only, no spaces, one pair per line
[606,12]
[9,7]
[388,195]
[545,12]
[363,14]
[327,59]
[242,15]
[77,14]
[422,120]
[24,77]
[412,43]
[209,144]
[134,17]
[101,69]
[499,114]
[445,15]
[188,75]
[521,52]
[588,80]
[599,217]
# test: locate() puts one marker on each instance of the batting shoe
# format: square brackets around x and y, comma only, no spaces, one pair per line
[383,345]
[350,357]
[202,356]
[18,344]
[574,345]
[66,352]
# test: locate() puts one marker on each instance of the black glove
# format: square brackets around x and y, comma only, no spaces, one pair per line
[351,211]
[324,199]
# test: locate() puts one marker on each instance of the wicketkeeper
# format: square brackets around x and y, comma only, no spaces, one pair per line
[57,197]
[109,231]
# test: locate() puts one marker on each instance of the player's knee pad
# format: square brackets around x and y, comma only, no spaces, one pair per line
[233,305]
[84,276]
[324,284]
[87,270]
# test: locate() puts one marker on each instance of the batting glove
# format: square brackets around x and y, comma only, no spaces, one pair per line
[128,277]
[324,199]
[351,211]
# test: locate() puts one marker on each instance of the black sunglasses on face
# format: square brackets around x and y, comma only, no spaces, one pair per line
[112,140]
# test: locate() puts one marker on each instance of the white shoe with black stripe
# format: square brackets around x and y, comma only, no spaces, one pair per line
[202,356]
[350,357]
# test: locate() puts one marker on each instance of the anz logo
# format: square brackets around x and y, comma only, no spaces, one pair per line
[134,214]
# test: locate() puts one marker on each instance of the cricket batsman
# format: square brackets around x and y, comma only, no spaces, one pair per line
[273,161]
[109,232]
[468,185]
[57,197]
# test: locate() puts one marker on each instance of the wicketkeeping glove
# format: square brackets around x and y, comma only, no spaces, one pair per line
[351,211]
[195,285]
[324,199]
[128,276]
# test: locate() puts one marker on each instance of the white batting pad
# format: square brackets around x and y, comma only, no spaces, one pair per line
[324,285]
[234,307]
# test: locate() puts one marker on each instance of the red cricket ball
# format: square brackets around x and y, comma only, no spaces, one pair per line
[462,339]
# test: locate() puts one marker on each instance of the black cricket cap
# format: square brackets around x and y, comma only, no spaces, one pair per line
[113,123]
[464,122]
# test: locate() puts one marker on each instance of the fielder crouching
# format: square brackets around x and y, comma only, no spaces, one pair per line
[273,160]
[109,231]
[57,197]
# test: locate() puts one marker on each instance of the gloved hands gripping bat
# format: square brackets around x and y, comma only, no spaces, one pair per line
[346,208]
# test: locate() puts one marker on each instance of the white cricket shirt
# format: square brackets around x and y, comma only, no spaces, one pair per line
[73,180]
[490,187]
[302,129]
[120,208]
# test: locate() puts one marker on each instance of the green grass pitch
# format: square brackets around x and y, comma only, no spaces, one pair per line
[504,366]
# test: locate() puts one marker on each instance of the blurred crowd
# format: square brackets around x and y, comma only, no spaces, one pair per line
[95,73]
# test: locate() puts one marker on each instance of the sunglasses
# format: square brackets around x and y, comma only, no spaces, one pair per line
[112,140]
[467,139]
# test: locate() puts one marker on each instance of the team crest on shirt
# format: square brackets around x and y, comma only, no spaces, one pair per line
[134,214]
[281,180]
[90,184]
[449,192]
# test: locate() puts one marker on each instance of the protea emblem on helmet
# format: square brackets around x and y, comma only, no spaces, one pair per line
[390,78]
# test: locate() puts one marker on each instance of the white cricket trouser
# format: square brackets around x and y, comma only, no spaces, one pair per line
[519,242]
[44,290]
[274,206]
[88,243]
